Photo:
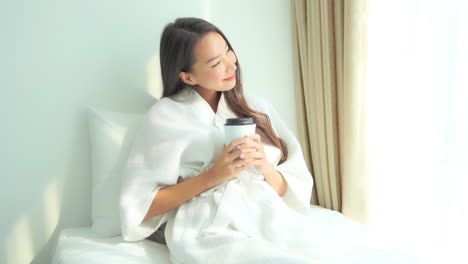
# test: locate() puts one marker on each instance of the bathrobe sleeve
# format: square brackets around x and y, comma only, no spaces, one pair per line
[294,169]
[152,164]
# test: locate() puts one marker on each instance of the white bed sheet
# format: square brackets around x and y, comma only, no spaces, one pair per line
[81,245]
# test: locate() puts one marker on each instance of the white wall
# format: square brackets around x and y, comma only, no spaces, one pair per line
[59,56]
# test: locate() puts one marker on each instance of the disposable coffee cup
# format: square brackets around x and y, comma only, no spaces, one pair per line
[235,128]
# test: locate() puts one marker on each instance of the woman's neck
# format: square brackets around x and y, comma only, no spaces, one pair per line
[210,96]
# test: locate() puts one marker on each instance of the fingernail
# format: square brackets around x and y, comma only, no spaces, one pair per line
[242,156]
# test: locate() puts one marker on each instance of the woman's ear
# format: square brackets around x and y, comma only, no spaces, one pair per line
[187,78]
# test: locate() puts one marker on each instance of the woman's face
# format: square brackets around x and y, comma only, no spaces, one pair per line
[214,67]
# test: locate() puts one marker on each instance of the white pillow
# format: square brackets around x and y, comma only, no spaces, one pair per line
[112,135]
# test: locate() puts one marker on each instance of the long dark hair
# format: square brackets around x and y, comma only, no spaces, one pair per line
[176,53]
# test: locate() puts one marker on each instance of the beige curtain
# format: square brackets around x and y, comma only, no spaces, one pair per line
[330,40]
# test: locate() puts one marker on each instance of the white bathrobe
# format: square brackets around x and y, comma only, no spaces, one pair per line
[240,221]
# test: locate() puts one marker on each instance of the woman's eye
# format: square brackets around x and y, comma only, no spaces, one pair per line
[228,50]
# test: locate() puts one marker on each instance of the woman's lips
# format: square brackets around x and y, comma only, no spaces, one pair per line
[231,78]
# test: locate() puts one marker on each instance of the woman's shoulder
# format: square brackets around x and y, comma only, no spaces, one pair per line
[258,103]
[180,102]
[163,111]
[164,106]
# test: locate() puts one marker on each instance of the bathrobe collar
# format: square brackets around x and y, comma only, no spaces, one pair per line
[206,113]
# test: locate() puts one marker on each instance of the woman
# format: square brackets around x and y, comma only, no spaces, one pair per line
[243,203]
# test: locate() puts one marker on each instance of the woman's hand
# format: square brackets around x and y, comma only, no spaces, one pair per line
[259,160]
[258,157]
[229,162]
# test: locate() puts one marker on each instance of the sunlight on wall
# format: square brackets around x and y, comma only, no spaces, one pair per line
[52,208]
[20,238]
[154,84]
[207,9]
[116,133]
[24,243]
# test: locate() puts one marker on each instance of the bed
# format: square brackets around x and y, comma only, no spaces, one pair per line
[111,136]
[83,245]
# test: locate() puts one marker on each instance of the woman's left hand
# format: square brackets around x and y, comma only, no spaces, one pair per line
[256,158]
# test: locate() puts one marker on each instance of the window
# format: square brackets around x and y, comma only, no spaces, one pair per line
[418,120]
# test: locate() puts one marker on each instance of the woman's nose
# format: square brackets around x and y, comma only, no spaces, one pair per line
[231,64]
[232,67]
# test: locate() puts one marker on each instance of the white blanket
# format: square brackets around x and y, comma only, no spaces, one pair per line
[81,245]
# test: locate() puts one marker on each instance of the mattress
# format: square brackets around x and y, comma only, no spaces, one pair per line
[81,245]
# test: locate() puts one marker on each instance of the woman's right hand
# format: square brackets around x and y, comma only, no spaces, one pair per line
[229,162]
